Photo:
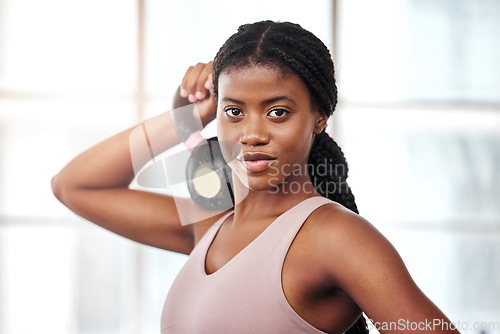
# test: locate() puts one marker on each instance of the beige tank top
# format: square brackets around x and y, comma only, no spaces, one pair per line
[246,294]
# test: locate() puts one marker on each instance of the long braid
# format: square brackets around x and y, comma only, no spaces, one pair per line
[293,49]
[328,171]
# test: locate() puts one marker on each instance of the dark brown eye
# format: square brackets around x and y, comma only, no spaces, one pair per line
[233,112]
[278,113]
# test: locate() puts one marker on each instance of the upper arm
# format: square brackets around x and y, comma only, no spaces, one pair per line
[370,270]
[149,218]
[145,217]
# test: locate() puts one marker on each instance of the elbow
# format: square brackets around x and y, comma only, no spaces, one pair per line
[56,187]
[68,193]
[60,188]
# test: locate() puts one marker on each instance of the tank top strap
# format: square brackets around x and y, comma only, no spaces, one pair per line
[277,238]
[209,235]
[289,223]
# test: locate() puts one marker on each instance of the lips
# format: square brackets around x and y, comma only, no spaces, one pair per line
[256,161]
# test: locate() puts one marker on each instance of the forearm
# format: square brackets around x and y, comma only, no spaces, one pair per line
[95,184]
[113,162]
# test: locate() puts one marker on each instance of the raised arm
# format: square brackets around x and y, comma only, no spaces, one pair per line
[95,184]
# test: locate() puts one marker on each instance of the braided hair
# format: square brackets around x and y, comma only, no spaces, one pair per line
[295,50]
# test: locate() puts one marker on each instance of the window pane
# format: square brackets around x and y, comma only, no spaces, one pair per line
[77,47]
[37,287]
[38,137]
[183,33]
[430,180]
[433,167]
[419,51]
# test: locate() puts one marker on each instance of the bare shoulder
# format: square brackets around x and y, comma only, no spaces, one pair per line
[334,222]
[362,262]
[351,240]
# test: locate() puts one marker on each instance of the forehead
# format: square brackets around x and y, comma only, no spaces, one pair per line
[261,80]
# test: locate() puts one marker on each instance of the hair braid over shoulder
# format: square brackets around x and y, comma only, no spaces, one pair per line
[328,171]
[295,50]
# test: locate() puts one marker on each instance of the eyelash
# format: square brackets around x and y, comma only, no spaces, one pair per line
[228,110]
[284,111]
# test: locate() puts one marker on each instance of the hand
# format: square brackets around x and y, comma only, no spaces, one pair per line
[197,87]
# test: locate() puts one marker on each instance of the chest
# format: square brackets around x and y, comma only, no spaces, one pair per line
[304,282]
[244,276]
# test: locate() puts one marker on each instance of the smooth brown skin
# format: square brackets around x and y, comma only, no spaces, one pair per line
[337,265]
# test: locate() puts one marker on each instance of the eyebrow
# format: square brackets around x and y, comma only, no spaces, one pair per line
[271,100]
[278,98]
[228,99]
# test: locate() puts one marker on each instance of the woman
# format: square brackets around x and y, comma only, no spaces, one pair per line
[293,256]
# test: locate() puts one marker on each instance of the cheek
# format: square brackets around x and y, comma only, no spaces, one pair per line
[296,146]
[225,129]
[222,131]
[228,141]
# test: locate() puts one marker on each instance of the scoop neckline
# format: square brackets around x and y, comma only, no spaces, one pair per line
[219,224]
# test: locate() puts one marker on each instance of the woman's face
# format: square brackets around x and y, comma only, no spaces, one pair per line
[269,117]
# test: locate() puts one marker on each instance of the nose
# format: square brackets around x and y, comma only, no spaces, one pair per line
[254,132]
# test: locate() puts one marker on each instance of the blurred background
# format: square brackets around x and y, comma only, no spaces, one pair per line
[418,119]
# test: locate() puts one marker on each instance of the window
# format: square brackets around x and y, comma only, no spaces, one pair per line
[419,122]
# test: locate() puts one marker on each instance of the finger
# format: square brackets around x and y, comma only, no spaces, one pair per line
[184,91]
[192,84]
[202,92]
[202,88]
[209,85]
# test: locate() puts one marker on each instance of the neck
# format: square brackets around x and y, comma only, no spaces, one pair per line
[255,205]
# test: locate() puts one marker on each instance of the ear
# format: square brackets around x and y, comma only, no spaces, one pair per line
[320,120]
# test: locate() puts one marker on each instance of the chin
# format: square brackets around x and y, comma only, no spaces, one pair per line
[263,183]
[256,181]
